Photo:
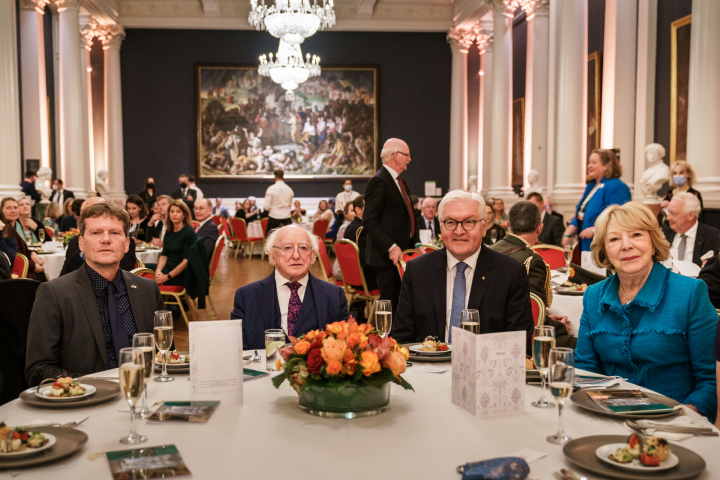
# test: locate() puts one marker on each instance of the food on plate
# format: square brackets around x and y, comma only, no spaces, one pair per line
[529,364]
[66,387]
[657,448]
[654,451]
[430,344]
[20,440]
[174,357]
[574,287]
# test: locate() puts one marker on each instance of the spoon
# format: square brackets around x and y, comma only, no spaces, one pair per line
[570,475]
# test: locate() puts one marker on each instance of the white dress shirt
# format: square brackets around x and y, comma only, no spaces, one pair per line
[689,244]
[429,224]
[59,197]
[395,176]
[451,272]
[278,200]
[199,192]
[343,198]
[283,293]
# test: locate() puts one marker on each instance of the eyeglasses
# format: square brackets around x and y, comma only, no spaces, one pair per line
[288,250]
[403,153]
[467,225]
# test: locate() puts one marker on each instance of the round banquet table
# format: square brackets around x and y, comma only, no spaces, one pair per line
[54,261]
[570,306]
[422,435]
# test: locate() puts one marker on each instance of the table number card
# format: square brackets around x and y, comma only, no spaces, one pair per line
[488,372]
[216,363]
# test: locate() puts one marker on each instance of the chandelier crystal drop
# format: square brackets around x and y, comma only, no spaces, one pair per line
[292,20]
[288,68]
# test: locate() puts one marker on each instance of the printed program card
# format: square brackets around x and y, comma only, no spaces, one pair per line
[488,372]
[147,462]
[217,357]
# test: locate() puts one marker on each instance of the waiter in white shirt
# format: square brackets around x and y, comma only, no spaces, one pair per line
[278,202]
[346,196]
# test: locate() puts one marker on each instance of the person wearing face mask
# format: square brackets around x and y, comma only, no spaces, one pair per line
[59,193]
[682,180]
[186,193]
[346,196]
[149,194]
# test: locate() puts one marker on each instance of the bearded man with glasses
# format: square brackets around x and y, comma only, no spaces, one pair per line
[291,298]
[439,285]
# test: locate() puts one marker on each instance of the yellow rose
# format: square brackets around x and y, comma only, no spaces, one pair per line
[333,349]
[369,362]
[403,351]
[395,362]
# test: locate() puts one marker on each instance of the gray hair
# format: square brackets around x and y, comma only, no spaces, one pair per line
[272,236]
[524,217]
[692,204]
[208,202]
[462,196]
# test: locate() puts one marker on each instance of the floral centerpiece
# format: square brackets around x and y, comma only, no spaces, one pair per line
[69,235]
[345,369]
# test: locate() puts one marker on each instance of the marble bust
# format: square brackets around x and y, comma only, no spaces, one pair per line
[532,178]
[655,175]
[472,183]
[101,185]
[44,174]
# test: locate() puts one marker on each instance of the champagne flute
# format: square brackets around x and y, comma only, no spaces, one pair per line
[470,321]
[562,373]
[383,317]
[568,257]
[41,235]
[493,235]
[146,343]
[163,340]
[543,342]
[132,383]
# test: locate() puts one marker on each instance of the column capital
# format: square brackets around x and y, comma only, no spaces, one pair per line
[63,5]
[111,35]
[461,39]
[483,37]
[87,33]
[508,7]
[37,5]
[536,7]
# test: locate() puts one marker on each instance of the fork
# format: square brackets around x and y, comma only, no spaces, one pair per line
[256,358]
[670,429]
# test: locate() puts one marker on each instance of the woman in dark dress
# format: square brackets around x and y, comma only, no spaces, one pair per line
[9,214]
[139,218]
[179,237]
[247,213]
[492,227]
[149,194]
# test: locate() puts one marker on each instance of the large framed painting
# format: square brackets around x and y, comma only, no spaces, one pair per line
[679,87]
[518,142]
[594,92]
[246,128]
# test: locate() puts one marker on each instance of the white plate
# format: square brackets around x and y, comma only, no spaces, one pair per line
[417,349]
[170,365]
[30,451]
[44,393]
[606,450]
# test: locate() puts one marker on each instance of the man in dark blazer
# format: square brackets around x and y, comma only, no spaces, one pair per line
[428,219]
[185,193]
[59,194]
[435,289]
[205,228]
[553,228]
[69,222]
[689,239]
[291,298]
[388,218]
[356,233]
[155,232]
[80,321]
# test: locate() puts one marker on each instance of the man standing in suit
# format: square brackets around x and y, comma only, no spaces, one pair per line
[290,298]
[693,239]
[205,228]
[388,218]
[59,194]
[439,285]
[186,193]
[155,232]
[552,226]
[278,202]
[80,322]
[428,220]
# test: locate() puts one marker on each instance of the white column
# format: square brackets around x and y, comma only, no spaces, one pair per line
[619,63]
[703,143]
[86,39]
[74,165]
[501,129]
[460,40]
[486,114]
[536,89]
[10,156]
[645,88]
[571,99]
[484,41]
[36,138]
[111,37]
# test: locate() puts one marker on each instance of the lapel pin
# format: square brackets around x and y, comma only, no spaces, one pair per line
[483,278]
[133,286]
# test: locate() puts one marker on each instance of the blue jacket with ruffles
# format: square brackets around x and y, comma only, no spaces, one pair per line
[612,191]
[662,340]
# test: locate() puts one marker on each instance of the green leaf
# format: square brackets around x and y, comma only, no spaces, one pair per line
[379,379]
[278,380]
[401,381]
[339,385]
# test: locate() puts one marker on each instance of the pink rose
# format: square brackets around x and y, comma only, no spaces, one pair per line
[333,349]
[395,362]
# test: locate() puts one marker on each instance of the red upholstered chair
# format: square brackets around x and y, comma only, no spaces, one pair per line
[241,236]
[139,263]
[20,266]
[326,267]
[49,232]
[410,253]
[348,257]
[214,261]
[401,266]
[264,224]
[553,256]
[216,220]
[538,310]
[577,254]
[172,295]
[320,228]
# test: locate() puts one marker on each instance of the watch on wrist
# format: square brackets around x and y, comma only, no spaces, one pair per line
[169,275]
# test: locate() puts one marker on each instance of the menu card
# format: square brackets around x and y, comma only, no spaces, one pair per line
[217,361]
[147,462]
[628,402]
[191,412]
[488,372]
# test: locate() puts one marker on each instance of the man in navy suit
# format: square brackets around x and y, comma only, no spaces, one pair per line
[291,298]
[205,228]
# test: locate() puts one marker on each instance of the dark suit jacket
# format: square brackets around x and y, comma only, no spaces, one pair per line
[153,231]
[500,291]
[361,242]
[66,194]
[386,219]
[190,192]
[257,305]
[420,222]
[65,331]
[73,259]
[707,238]
[552,231]
[710,274]
[67,223]
[29,189]
[209,233]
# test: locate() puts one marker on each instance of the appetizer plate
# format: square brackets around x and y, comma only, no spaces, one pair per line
[582,400]
[174,367]
[105,390]
[417,349]
[416,357]
[30,451]
[44,393]
[69,441]
[605,451]
[564,291]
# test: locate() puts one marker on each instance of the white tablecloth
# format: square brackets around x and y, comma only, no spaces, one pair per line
[570,306]
[422,435]
[54,261]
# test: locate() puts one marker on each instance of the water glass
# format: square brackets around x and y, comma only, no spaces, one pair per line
[146,343]
[543,342]
[493,235]
[274,339]
[132,384]
[41,235]
[561,379]
[470,321]
[164,340]
[383,317]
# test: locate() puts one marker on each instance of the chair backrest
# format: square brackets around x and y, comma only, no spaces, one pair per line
[325,262]
[216,220]
[49,232]
[357,236]
[430,247]
[240,229]
[139,263]
[20,266]
[401,265]
[410,253]
[226,228]
[538,310]
[320,228]
[144,272]
[264,224]
[577,254]
[215,259]
[553,256]
[348,257]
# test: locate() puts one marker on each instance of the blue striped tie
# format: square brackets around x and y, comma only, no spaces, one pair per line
[458,300]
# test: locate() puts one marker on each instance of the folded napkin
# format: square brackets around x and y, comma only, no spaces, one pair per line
[684,421]
[503,468]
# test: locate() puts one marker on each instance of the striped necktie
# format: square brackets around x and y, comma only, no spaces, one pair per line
[458,298]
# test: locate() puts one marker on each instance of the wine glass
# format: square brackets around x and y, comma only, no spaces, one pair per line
[28,238]
[383,317]
[543,342]
[562,373]
[164,340]
[470,321]
[568,257]
[41,235]
[146,343]
[493,235]
[132,383]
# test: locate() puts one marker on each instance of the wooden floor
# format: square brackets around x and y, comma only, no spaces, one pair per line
[231,274]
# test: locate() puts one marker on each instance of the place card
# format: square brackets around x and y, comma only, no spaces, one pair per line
[147,462]
[425,236]
[488,372]
[189,412]
[217,357]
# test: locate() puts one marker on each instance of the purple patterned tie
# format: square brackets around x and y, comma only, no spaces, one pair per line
[293,306]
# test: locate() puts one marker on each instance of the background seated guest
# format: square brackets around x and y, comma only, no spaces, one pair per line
[324,213]
[356,233]
[552,226]
[8,251]
[149,194]
[499,215]
[28,186]
[254,209]
[66,210]
[438,285]
[689,239]
[290,298]
[74,257]
[139,218]
[525,227]
[246,212]
[191,184]
[51,216]
[156,225]
[26,225]
[59,193]
[646,324]
[681,180]
[79,322]
[349,216]
[218,209]
[71,221]
[180,236]
[298,212]
[428,219]
[9,212]
[500,232]
[205,228]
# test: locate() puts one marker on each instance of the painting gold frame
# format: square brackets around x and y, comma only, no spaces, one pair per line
[594,91]
[674,27]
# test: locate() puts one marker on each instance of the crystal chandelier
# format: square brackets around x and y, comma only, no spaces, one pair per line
[292,20]
[288,68]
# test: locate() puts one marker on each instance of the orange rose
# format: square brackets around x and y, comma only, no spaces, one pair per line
[333,368]
[365,328]
[302,347]
[352,325]
[404,352]
[349,362]
[395,362]
[353,340]
[369,362]
[333,349]
[310,336]
[335,328]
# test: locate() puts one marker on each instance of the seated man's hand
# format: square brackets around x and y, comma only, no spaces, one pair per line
[562,319]
[395,255]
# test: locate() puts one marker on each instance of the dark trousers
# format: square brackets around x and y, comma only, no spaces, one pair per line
[277,223]
[388,280]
